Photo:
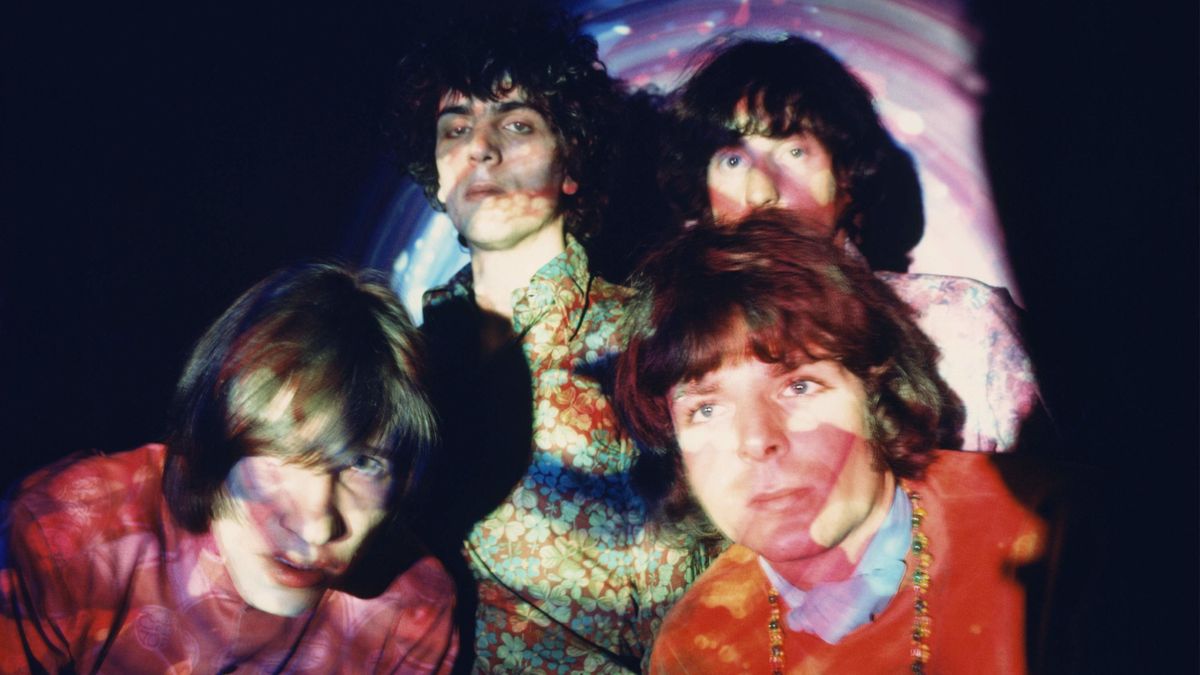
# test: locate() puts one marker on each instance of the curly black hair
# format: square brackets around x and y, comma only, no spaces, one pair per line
[484,51]
[792,86]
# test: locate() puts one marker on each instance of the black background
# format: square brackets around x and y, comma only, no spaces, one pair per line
[158,161]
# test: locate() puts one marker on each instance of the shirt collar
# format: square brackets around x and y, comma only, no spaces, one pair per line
[568,269]
[832,610]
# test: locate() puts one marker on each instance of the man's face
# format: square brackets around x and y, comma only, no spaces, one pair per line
[793,173]
[777,456]
[289,531]
[500,172]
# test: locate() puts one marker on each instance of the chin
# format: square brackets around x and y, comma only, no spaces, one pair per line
[281,601]
[786,542]
[783,551]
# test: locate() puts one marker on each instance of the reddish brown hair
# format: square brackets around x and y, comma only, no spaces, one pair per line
[791,296]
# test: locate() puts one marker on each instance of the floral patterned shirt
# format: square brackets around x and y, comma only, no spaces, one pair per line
[983,358]
[99,579]
[570,578]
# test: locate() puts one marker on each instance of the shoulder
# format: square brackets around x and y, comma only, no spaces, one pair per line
[608,300]
[411,623]
[956,475]
[458,286]
[731,587]
[423,589]
[726,606]
[86,487]
[924,290]
[425,583]
[979,498]
[86,520]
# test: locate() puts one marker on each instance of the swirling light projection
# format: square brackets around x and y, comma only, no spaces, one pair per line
[916,57]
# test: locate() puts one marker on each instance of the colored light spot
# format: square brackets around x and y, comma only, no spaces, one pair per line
[910,122]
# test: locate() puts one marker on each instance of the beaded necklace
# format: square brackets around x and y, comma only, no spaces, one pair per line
[922,623]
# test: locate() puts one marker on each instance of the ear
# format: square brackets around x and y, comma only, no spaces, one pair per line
[569,186]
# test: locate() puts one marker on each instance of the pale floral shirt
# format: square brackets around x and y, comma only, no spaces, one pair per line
[570,578]
[975,328]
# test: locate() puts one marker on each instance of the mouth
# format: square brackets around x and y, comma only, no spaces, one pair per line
[781,499]
[479,191]
[292,574]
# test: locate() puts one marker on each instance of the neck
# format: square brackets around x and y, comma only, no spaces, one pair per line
[839,562]
[497,273]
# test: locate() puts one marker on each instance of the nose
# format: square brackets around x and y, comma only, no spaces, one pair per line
[761,189]
[762,434]
[314,515]
[483,147]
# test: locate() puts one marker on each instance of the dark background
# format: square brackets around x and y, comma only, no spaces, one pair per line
[159,161]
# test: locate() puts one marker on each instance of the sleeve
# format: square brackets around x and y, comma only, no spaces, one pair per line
[32,639]
[664,660]
[1012,391]
[668,566]
[983,358]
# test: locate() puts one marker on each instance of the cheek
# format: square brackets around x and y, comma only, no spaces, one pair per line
[821,452]
[256,486]
[364,501]
[535,168]
[823,187]
[450,172]
[723,198]
[712,470]
[254,480]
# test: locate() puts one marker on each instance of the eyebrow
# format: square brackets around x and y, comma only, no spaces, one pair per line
[694,388]
[500,108]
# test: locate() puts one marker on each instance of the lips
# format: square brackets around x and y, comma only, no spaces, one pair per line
[483,190]
[780,499]
[298,575]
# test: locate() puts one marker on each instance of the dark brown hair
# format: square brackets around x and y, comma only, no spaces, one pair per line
[796,86]
[792,296]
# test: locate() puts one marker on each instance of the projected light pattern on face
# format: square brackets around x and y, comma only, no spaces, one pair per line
[289,531]
[915,57]
[778,458]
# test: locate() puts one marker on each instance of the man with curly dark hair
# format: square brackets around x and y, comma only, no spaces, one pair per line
[505,120]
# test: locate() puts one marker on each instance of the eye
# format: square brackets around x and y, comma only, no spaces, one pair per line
[702,413]
[728,160]
[802,387]
[796,152]
[519,127]
[370,466]
[455,130]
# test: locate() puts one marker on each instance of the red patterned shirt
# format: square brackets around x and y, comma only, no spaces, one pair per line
[975,598]
[99,578]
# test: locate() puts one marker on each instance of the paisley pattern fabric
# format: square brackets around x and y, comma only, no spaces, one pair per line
[100,579]
[983,360]
[976,603]
[570,578]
